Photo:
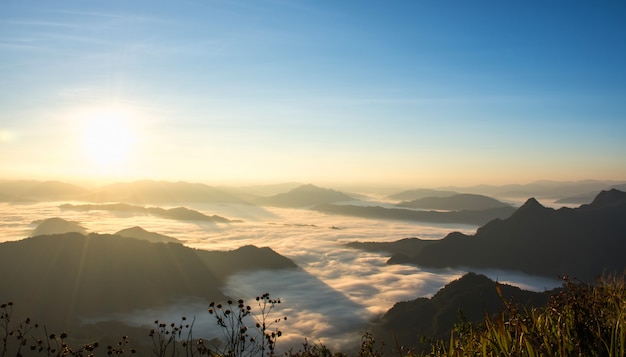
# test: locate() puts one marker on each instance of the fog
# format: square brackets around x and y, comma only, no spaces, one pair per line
[332,297]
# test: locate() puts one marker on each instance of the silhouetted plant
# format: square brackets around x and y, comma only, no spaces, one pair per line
[312,350]
[167,337]
[247,332]
[26,339]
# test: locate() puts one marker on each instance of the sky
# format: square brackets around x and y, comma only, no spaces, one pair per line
[417,93]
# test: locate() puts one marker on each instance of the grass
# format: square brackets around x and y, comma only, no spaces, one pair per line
[579,320]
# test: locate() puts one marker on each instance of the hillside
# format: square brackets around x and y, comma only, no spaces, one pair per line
[457,202]
[140,233]
[305,196]
[473,295]
[583,242]
[60,278]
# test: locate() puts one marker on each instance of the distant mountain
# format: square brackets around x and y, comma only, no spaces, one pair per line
[411,195]
[542,189]
[456,202]
[177,213]
[583,242]
[587,197]
[56,225]
[472,295]
[68,277]
[25,191]
[407,246]
[140,233]
[264,190]
[377,212]
[305,196]
[161,192]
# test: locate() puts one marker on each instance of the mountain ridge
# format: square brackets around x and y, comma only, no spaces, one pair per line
[66,277]
[583,242]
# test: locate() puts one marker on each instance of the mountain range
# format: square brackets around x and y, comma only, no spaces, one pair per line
[476,217]
[305,196]
[177,213]
[410,195]
[457,202]
[64,278]
[583,242]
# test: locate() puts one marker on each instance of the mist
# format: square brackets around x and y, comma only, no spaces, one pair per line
[333,295]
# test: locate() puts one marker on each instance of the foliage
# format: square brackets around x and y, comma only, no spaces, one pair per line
[27,338]
[581,320]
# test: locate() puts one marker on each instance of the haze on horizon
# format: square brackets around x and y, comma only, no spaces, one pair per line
[419,93]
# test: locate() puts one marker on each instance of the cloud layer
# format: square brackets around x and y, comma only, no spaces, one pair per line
[332,297]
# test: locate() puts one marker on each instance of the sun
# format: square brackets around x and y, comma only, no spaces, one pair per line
[108,138]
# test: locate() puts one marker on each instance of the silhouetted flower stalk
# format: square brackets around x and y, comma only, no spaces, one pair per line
[236,320]
[167,339]
[25,338]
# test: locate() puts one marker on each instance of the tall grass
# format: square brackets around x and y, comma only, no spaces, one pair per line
[579,320]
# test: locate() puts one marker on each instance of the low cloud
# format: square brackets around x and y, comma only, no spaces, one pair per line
[332,297]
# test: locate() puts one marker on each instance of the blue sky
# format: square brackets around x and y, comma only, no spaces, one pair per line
[403,92]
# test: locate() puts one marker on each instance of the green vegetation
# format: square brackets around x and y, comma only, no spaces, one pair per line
[578,320]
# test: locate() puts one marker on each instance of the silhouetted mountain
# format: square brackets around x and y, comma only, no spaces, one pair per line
[72,276]
[465,217]
[140,233]
[459,202]
[407,246]
[178,213]
[586,197]
[161,192]
[304,196]
[25,191]
[472,295]
[412,195]
[56,225]
[583,242]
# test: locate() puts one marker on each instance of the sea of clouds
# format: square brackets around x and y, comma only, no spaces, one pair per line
[331,299]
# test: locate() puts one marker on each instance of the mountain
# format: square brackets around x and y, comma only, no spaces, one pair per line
[28,191]
[56,225]
[377,212]
[304,196]
[583,242]
[140,233]
[456,202]
[411,195]
[472,295]
[542,189]
[68,277]
[586,197]
[177,213]
[162,192]
[406,246]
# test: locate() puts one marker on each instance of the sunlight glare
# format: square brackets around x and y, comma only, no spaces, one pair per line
[108,138]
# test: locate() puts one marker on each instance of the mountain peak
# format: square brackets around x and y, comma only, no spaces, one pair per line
[610,198]
[530,207]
